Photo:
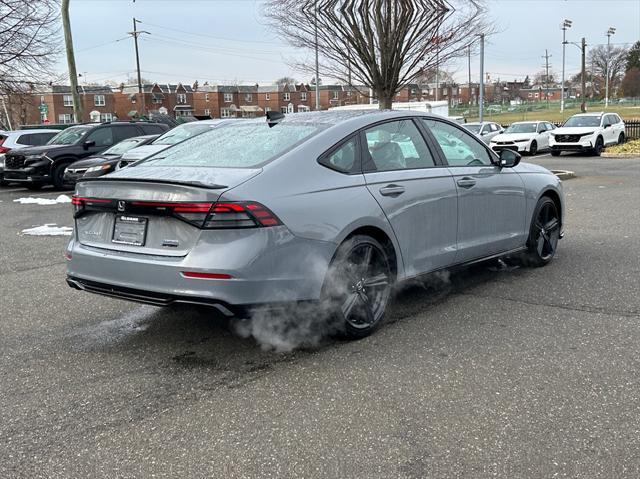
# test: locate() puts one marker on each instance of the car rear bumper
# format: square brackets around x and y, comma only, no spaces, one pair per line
[264,266]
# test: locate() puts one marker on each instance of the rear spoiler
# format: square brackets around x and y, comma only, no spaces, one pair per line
[198,184]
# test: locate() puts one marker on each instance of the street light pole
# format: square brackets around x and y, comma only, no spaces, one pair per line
[315,18]
[583,106]
[610,32]
[481,93]
[566,24]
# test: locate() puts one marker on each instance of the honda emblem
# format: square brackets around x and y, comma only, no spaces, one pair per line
[121,205]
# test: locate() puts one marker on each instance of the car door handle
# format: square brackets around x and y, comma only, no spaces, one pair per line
[466,182]
[392,190]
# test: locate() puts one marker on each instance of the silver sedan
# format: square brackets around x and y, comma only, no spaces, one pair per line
[485,130]
[329,207]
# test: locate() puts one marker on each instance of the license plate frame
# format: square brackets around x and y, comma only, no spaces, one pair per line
[130,230]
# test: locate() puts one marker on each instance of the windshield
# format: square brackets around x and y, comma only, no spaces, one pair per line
[583,121]
[474,128]
[182,132]
[69,136]
[123,146]
[235,146]
[521,128]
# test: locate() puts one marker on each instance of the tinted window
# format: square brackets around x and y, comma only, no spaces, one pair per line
[396,145]
[458,147]
[42,138]
[150,129]
[241,145]
[25,139]
[125,131]
[343,158]
[102,137]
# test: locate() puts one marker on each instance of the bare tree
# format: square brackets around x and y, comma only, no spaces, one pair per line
[617,61]
[286,81]
[381,44]
[28,39]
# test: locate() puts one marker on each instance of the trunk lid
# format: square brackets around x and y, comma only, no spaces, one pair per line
[150,210]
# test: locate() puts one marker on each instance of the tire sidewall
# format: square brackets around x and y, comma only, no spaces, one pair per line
[534,258]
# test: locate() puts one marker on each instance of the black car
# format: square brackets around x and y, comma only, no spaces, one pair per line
[37,166]
[105,162]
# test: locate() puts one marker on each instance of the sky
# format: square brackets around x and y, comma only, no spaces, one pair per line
[228,41]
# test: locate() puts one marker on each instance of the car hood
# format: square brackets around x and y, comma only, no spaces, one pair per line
[142,152]
[94,160]
[575,130]
[524,167]
[40,150]
[513,136]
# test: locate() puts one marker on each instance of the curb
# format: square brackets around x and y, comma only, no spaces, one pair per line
[564,174]
[620,155]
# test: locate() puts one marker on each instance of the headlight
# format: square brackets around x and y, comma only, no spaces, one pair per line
[587,134]
[98,168]
[521,141]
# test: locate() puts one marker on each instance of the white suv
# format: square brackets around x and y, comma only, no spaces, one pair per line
[588,132]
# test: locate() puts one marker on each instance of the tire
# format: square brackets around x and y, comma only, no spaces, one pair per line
[599,148]
[621,138]
[555,153]
[34,186]
[357,288]
[58,176]
[544,233]
[533,149]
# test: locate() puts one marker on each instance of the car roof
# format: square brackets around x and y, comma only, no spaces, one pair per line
[594,113]
[32,130]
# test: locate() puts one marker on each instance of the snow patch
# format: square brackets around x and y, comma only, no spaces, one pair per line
[49,229]
[32,200]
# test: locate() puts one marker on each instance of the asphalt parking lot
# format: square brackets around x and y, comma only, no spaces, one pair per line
[491,372]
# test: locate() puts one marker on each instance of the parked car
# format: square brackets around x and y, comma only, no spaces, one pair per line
[172,137]
[40,165]
[590,132]
[524,136]
[12,140]
[325,206]
[485,130]
[106,162]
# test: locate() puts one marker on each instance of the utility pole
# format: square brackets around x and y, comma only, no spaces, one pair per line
[71,61]
[546,78]
[610,32]
[469,51]
[565,25]
[437,66]
[135,34]
[315,19]
[481,93]
[583,105]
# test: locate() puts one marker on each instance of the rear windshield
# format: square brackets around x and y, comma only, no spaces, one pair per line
[521,128]
[236,146]
[583,121]
[69,136]
[472,128]
[182,132]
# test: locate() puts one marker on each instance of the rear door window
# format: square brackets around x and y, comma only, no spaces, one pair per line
[123,132]
[151,129]
[25,139]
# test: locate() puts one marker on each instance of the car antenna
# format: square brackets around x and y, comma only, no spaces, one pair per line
[274,117]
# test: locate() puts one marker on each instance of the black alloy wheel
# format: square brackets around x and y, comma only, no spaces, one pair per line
[598,149]
[533,149]
[621,138]
[544,233]
[358,285]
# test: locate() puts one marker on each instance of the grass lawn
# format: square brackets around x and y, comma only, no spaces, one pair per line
[554,115]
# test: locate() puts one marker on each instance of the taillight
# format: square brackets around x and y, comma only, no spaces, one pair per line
[240,215]
[79,203]
[4,149]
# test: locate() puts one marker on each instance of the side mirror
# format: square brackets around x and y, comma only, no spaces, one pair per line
[509,158]
[607,125]
[88,144]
